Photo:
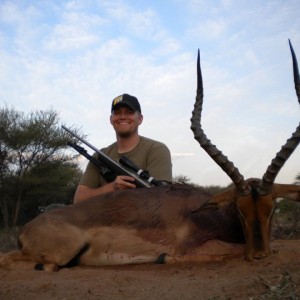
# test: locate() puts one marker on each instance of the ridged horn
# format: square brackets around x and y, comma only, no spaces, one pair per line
[291,144]
[199,135]
[295,71]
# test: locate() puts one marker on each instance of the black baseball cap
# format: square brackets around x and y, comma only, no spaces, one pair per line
[128,100]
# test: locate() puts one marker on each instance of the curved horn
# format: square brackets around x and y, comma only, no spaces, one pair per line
[227,166]
[290,145]
[296,72]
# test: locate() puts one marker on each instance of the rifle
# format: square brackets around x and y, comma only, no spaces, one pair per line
[142,177]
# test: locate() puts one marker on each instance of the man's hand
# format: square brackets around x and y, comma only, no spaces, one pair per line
[123,182]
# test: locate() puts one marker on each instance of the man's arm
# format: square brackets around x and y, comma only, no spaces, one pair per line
[84,192]
[92,184]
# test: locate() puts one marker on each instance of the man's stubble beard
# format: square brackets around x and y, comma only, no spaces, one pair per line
[127,134]
[124,135]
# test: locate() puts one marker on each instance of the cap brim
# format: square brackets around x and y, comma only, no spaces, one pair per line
[124,104]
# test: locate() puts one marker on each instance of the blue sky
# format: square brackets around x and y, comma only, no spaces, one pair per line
[76,56]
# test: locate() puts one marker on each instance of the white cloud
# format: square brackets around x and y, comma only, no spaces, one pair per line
[77,56]
[68,37]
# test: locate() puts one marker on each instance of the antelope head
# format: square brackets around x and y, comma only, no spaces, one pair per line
[254,198]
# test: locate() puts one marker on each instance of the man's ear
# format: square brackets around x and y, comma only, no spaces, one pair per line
[140,119]
[110,119]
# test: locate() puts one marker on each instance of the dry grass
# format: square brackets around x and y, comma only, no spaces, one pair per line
[286,221]
[283,288]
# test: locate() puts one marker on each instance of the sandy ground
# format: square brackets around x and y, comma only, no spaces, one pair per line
[277,277]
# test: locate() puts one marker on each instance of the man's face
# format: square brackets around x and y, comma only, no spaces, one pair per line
[125,121]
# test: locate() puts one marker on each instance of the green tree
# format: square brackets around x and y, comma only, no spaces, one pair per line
[213,189]
[36,168]
[183,179]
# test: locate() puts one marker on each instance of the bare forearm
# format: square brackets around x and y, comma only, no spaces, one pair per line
[83,192]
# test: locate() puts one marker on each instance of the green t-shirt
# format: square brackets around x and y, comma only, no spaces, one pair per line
[149,155]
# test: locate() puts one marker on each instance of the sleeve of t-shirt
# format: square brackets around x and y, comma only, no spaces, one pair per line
[91,176]
[159,162]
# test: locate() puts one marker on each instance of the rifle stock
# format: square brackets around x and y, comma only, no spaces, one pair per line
[106,161]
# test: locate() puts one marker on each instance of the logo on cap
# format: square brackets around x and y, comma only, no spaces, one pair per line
[128,100]
[117,100]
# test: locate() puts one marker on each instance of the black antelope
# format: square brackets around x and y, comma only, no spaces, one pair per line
[164,224]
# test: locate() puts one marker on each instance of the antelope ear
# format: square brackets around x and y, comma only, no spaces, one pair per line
[286,191]
[225,197]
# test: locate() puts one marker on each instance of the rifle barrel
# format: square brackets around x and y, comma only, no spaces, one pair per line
[115,167]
